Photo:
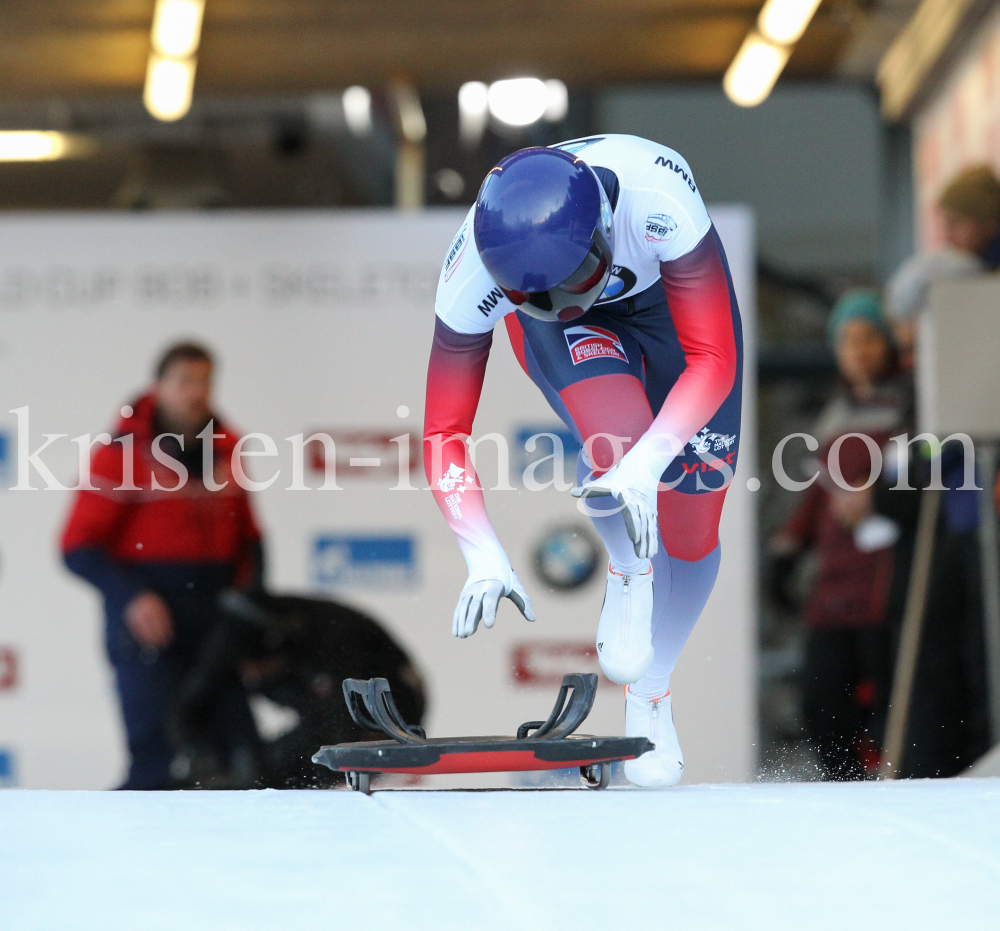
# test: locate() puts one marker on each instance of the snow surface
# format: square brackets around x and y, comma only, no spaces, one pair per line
[913,856]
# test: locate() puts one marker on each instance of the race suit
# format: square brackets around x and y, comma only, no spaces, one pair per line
[659,355]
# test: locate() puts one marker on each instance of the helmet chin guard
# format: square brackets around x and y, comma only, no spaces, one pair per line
[543,228]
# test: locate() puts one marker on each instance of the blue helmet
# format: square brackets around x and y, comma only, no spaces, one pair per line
[543,227]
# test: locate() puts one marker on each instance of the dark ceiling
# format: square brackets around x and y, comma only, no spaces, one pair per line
[253,137]
[86,47]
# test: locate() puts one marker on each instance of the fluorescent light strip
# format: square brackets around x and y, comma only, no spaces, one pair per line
[357,102]
[41,146]
[784,21]
[754,70]
[169,87]
[177,27]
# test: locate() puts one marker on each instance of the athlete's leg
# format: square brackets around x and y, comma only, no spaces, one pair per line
[605,515]
[685,570]
[615,405]
[687,563]
[597,398]
[591,374]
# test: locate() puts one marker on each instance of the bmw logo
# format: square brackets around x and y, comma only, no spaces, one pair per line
[567,557]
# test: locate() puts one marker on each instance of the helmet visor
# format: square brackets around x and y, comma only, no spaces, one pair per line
[574,296]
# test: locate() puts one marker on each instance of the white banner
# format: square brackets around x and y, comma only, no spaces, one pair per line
[321,322]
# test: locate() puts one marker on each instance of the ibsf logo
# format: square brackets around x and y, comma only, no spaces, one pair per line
[660,227]
[592,342]
[455,252]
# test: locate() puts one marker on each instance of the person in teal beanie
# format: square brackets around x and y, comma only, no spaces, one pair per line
[858,304]
[847,668]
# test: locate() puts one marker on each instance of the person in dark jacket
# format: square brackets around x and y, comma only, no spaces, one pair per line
[164,530]
[847,665]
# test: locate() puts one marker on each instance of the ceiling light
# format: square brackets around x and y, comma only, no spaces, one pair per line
[177,27]
[518,101]
[358,110]
[36,146]
[450,183]
[412,123]
[754,70]
[169,87]
[473,111]
[558,101]
[784,21]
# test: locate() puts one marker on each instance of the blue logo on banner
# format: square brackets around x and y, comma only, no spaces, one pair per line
[8,772]
[370,562]
[6,460]
[544,446]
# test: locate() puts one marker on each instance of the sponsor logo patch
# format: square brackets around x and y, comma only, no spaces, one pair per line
[367,454]
[369,562]
[453,483]
[622,281]
[660,227]
[544,448]
[543,663]
[592,342]
[8,769]
[706,442]
[677,170]
[6,460]
[490,302]
[453,479]
[8,669]
[456,251]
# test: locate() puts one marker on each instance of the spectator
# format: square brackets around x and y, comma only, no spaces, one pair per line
[970,213]
[948,727]
[847,665]
[160,551]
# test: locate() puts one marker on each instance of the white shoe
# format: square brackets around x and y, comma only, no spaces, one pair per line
[624,638]
[653,719]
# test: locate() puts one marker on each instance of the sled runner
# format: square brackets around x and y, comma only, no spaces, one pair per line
[539,745]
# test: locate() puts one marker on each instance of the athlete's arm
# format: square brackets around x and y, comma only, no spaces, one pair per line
[702,307]
[454,384]
[455,376]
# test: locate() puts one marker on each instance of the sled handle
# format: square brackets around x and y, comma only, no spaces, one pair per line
[380,703]
[373,708]
[354,694]
[566,716]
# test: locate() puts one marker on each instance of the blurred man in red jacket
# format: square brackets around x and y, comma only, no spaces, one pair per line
[167,528]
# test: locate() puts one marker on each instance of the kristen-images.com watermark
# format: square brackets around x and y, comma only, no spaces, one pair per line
[311,463]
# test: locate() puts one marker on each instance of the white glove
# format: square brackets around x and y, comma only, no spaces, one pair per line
[638,505]
[480,599]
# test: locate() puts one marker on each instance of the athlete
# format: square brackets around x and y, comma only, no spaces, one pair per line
[600,257]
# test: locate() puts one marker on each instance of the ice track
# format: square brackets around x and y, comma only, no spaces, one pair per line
[913,856]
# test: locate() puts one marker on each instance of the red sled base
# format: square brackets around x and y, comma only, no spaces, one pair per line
[539,745]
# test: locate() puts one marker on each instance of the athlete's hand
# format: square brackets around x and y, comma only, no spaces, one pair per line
[479,602]
[638,506]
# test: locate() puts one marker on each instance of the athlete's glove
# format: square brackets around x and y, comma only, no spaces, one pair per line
[480,599]
[638,506]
